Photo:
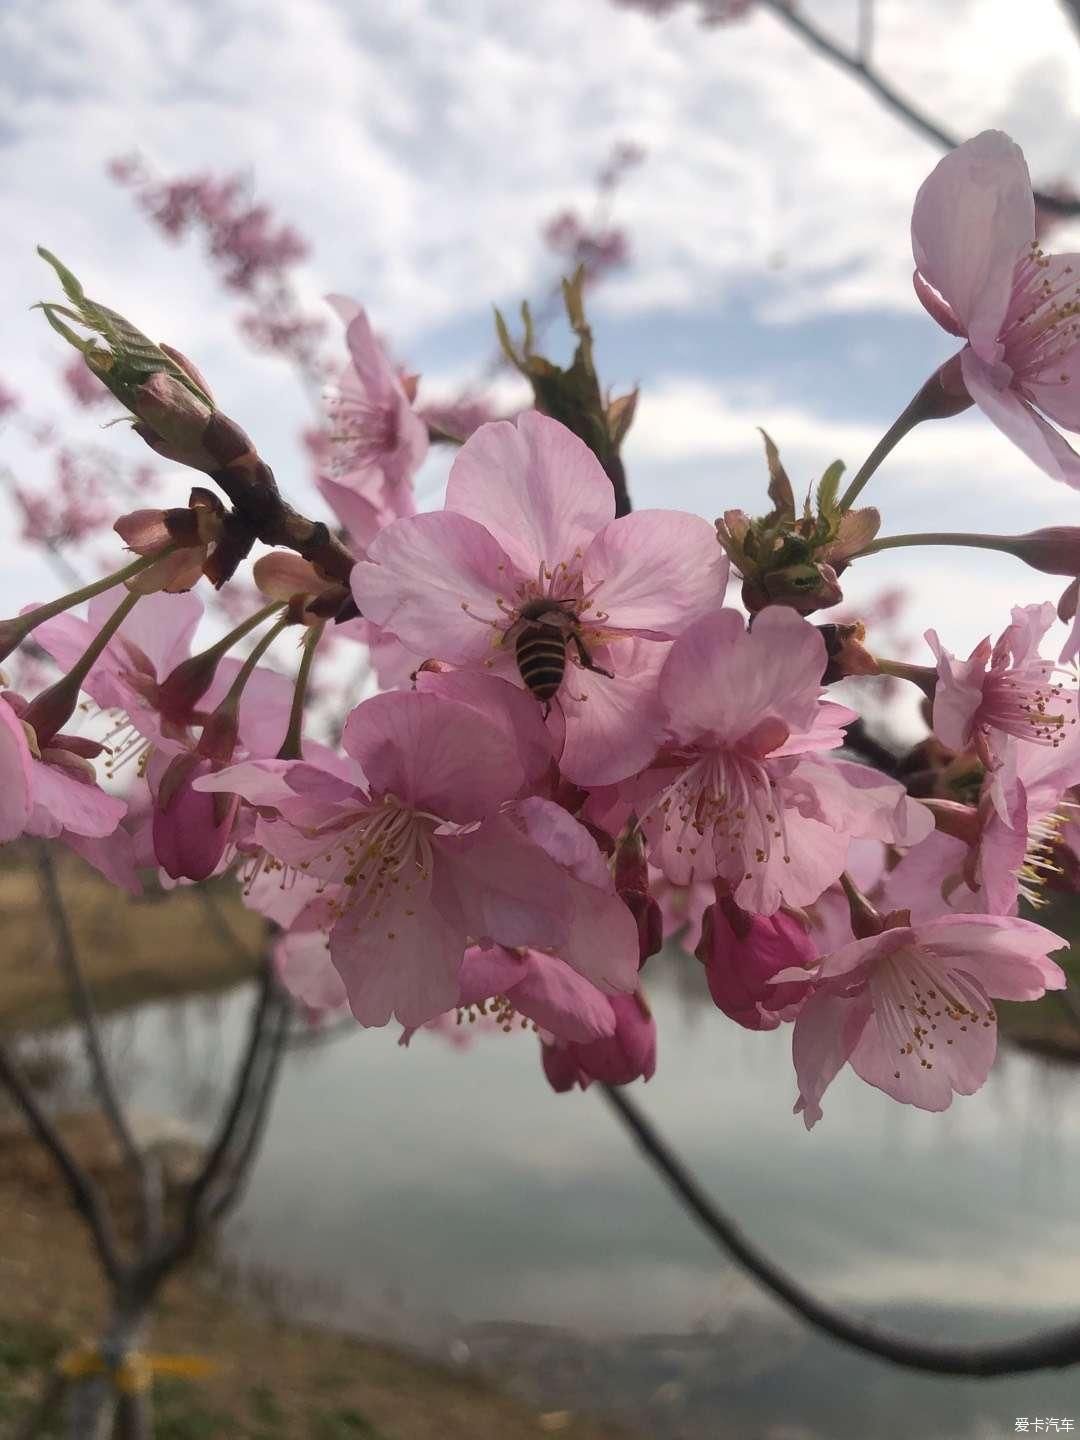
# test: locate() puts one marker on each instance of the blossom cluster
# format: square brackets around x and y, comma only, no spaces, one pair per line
[584,746]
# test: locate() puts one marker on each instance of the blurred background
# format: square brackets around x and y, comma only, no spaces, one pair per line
[743,203]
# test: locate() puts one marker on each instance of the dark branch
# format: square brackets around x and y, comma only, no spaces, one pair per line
[1044,1350]
[261,1039]
[84,1193]
[1072,11]
[872,80]
[240,1169]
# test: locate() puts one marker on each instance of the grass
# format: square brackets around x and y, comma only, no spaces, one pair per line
[275,1380]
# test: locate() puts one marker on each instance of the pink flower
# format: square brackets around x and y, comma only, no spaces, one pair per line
[528,537]
[127,678]
[53,793]
[627,1054]
[739,792]
[377,440]
[982,276]
[427,861]
[523,988]
[1002,694]
[742,953]
[16,776]
[910,1008]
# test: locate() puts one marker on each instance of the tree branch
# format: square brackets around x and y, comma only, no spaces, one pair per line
[82,1004]
[84,1193]
[872,79]
[1043,1350]
[240,1169]
[261,1039]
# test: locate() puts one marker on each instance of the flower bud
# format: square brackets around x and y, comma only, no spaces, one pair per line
[803,587]
[1054,550]
[628,1054]
[173,420]
[742,952]
[191,828]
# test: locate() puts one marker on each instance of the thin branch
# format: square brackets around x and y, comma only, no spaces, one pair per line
[82,1003]
[875,82]
[1043,1350]
[240,1170]
[179,1245]
[84,1192]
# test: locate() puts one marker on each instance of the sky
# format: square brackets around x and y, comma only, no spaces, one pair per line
[421,145]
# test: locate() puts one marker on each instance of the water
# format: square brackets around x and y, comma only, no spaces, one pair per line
[448,1199]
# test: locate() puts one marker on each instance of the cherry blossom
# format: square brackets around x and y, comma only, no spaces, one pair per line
[983,277]
[427,860]
[529,530]
[377,440]
[742,790]
[910,1008]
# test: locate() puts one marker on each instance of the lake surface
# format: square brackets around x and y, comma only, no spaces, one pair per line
[445,1197]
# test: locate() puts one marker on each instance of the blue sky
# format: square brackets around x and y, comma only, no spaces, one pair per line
[421,145]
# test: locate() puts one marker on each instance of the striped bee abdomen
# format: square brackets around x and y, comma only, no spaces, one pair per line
[541,659]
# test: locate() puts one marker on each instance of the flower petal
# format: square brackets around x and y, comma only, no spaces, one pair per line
[433,580]
[535,486]
[657,570]
[974,216]
[433,754]
[1014,417]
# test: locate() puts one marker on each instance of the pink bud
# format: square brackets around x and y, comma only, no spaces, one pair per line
[629,1054]
[191,828]
[742,952]
[1054,550]
[144,531]
[173,421]
[280,575]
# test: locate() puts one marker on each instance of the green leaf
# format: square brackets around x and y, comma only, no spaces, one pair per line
[828,489]
[780,492]
[129,357]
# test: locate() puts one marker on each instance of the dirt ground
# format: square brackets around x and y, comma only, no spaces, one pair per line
[163,943]
[275,1380]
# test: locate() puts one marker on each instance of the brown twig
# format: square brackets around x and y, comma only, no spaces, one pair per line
[84,1192]
[82,1003]
[872,79]
[250,485]
[178,1246]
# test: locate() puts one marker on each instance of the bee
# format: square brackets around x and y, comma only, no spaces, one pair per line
[547,628]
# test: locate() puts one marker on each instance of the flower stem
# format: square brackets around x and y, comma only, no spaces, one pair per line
[34,618]
[908,418]
[53,708]
[243,675]
[220,647]
[291,745]
[940,537]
